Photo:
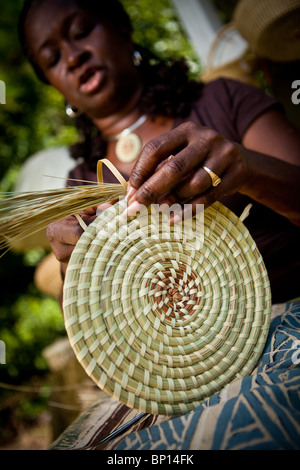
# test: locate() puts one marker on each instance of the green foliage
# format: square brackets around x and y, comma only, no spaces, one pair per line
[157,28]
[29,321]
[37,321]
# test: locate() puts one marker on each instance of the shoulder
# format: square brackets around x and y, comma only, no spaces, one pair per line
[235,102]
[222,85]
[228,88]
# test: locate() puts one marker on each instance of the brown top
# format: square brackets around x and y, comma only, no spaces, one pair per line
[230,107]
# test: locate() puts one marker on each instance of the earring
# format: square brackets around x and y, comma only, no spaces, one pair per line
[71,111]
[137,58]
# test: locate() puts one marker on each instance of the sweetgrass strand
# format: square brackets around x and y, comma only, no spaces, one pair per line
[25,213]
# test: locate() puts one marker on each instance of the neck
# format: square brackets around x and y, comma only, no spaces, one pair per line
[121,119]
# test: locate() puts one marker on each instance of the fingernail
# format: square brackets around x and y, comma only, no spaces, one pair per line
[164,206]
[177,218]
[130,192]
[133,208]
[103,207]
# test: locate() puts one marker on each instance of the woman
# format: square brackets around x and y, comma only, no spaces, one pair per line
[228,141]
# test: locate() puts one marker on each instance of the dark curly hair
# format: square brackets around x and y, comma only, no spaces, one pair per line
[168,89]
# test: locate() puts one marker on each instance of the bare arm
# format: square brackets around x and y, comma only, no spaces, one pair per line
[274,181]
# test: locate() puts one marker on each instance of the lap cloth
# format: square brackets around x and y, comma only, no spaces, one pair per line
[261,411]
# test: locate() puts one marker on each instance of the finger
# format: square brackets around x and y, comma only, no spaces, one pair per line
[205,199]
[66,231]
[169,198]
[188,134]
[63,252]
[162,198]
[88,211]
[198,183]
[164,162]
[187,190]
[154,152]
[63,236]
[102,207]
[194,144]
[169,175]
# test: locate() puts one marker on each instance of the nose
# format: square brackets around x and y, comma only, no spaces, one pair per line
[75,55]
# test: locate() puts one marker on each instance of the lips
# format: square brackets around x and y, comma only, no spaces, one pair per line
[90,80]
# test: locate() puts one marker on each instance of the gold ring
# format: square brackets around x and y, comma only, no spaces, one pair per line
[215,179]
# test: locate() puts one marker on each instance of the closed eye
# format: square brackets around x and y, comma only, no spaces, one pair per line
[81,29]
[52,58]
[82,33]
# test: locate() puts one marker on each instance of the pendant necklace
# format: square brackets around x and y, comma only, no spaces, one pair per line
[129,145]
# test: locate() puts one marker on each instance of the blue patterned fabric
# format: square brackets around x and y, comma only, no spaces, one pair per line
[261,411]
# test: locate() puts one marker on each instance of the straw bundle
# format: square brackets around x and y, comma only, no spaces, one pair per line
[160,323]
[22,214]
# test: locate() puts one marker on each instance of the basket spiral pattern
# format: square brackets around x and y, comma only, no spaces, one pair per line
[159,323]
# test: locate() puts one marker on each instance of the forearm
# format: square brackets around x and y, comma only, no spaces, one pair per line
[274,183]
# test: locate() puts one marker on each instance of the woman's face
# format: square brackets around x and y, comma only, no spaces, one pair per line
[86,60]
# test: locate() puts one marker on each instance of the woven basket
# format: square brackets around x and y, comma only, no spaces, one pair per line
[161,324]
[271,27]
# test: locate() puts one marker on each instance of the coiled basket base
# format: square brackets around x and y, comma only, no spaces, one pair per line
[160,323]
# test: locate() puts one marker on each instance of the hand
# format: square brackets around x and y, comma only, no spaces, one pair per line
[157,177]
[64,234]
